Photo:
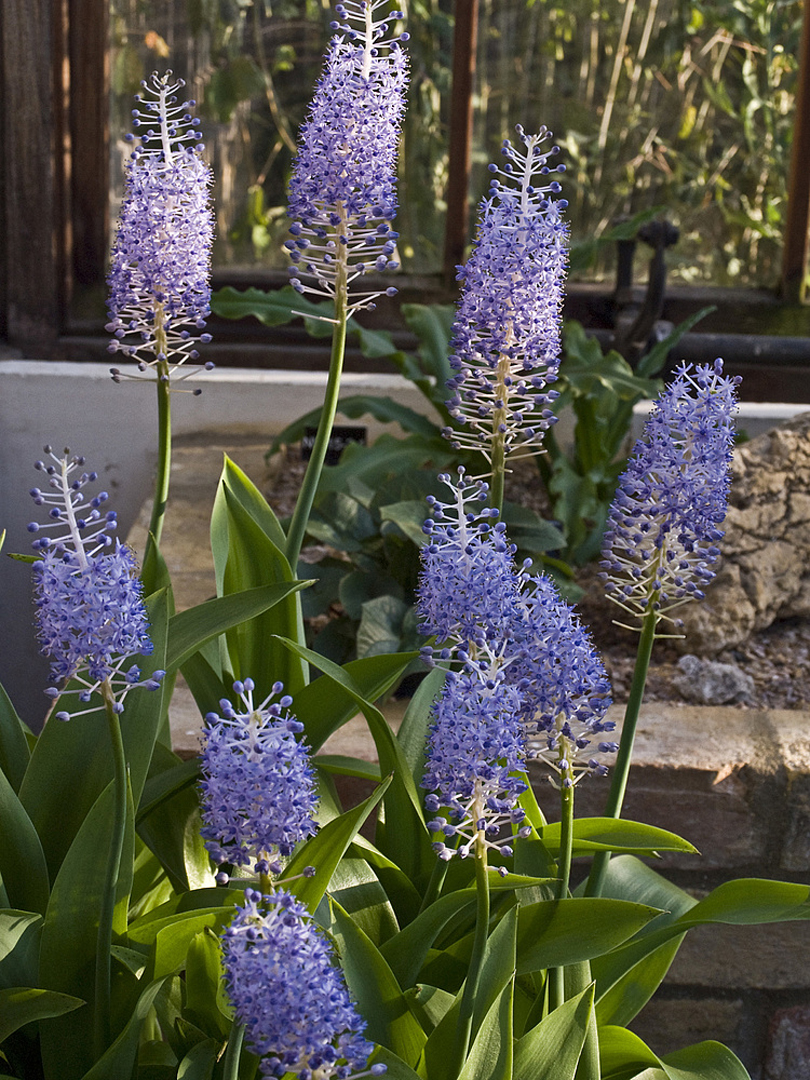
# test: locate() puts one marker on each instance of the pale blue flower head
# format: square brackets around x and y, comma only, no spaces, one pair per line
[476,743]
[258,787]
[90,615]
[160,268]
[506,337]
[468,583]
[285,988]
[664,524]
[342,193]
[564,688]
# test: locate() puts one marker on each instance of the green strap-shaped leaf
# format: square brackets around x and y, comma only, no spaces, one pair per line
[20,933]
[406,841]
[199,1062]
[325,706]
[118,1061]
[554,933]
[190,629]
[624,1054]
[203,978]
[373,986]
[325,850]
[20,1005]
[552,1049]
[744,902]
[23,870]
[172,829]
[615,834]
[71,950]
[491,1052]
[627,995]
[254,559]
[14,752]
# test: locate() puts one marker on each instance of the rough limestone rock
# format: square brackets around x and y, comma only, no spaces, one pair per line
[707,682]
[764,571]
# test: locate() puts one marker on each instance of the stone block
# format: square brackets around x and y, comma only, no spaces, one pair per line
[771,957]
[667,1024]
[787,1055]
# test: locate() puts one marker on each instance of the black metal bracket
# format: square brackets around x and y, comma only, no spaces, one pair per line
[638,326]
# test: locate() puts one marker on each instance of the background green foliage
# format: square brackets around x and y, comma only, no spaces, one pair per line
[667,103]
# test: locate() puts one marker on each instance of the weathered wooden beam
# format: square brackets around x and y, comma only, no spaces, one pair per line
[465,40]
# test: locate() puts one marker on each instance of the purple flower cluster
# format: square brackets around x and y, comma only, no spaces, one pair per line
[286,990]
[529,673]
[258,788]
[476,744]
[160,268]
[342,193]
[89,607]
[564,688]
[664,524]
[468,584]
[506,337]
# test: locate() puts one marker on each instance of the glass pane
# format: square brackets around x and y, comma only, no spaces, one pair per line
[252,68]
[686,106]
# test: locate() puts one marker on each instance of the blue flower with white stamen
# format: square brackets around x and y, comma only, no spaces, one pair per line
[664,524]
[342,195]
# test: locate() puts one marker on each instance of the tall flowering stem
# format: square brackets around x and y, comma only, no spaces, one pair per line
[663,530]
[343,196]
[159,280]
[91,621]
[506,337]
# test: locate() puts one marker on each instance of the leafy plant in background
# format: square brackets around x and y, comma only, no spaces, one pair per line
[687,106]
[444,940]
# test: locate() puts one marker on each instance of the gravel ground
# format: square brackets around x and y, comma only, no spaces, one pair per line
[777,658]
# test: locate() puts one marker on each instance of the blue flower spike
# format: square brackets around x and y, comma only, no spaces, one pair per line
[91,620]
[664,525]
[160,269]
[285,988]
[506,337]
[258,787]
[342,196]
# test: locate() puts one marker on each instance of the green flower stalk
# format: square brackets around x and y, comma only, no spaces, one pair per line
[343,195]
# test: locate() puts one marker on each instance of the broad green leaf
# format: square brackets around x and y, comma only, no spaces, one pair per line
[203,977]
[162,786]
[554,933]
[72,943]
[357,889]
[406,841]
[22,1005]
[396,1067]
[615,834]
[415,727]
[373,986]
[173,937]
[624,998]
[172,829]
[14,752]
[750,901]
[429,1004]
[341,765]
[624,1055]
[118,1061]
[491,1052]
[190,629]
[20,933]
[199,1062]
[22,861]
[253,559]
[325,850]
[551,1050]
